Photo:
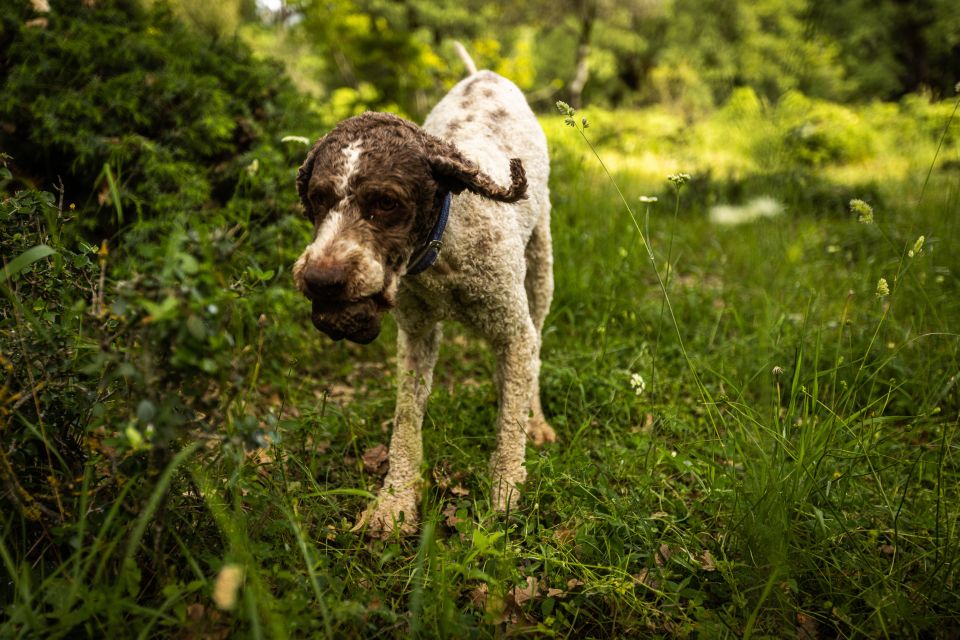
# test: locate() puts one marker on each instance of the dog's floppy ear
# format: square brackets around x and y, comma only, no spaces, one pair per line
[303,178]
[455,173]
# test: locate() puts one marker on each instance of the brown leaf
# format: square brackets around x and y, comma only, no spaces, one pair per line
[195,611]
[573,583]
[376,460]
[458,490]
[662,555]
[556,593]
[646,579]
[478,595]
[707,563]
[888,549]
[522,595]
[564,535]
[450,511]
[806,627]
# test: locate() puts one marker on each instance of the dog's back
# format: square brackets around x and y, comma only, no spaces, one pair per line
[487,117]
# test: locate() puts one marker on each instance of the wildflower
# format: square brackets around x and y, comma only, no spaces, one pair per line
[227,585]
[584,122]
[73,206]
[648,199]
[253,167]
[917,247]
[777,371]
[638,383]
[679,179]
[863,210]
[883,289]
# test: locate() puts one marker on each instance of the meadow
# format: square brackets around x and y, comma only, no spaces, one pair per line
[756,437]
[751,360]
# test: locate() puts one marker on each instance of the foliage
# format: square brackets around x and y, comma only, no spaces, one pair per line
[758,438]
[117,92]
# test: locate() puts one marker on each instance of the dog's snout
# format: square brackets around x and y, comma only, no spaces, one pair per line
[326,284]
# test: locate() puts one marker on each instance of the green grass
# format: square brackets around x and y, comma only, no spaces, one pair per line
[796,475]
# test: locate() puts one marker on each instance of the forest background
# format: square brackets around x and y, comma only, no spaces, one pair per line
[751,360]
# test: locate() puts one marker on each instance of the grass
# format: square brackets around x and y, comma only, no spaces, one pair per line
[796,476]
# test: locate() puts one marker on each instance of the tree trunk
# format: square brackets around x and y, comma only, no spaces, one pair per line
[588,16]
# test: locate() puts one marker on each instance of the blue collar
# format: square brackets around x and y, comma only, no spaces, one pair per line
[424,257]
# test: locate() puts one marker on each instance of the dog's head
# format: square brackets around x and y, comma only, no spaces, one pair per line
[373,188]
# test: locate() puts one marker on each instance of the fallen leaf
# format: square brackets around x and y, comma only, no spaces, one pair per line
[478,595]
[564,535]
[195,611]
[459,491]
[376,460]
[888,549]
[646,579]
[573,583]
[520,595]
[662,555]
[450,512]
[806,627]
[707,563]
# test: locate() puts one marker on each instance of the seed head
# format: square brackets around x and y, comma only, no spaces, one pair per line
[679,179]
[863,210]
[917,247]
[883,289]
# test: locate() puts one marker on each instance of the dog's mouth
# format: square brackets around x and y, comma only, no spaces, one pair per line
[355,320]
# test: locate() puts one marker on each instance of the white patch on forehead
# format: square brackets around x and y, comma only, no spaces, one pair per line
[351,160]
[327,234]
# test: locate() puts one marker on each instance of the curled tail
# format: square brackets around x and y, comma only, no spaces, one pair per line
[465,58]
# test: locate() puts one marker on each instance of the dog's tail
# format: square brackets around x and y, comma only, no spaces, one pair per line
[465,58]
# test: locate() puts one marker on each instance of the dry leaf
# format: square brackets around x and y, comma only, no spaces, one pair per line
[564,535]
[478,596]
[450,512]
[573,583]
[376,460]
[520,595]
[707,563]
[662,555]
[806,627]
[458,490]
[646,579]
[195,611]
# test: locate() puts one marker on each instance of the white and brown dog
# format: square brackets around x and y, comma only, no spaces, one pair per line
[384,195]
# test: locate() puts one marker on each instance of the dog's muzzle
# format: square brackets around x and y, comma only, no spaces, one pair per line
[357,321]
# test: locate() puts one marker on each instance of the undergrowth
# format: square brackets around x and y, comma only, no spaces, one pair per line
[772,455]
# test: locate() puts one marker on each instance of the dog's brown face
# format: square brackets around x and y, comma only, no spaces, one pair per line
[373,188]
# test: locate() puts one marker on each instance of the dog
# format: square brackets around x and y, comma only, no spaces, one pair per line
[450,221]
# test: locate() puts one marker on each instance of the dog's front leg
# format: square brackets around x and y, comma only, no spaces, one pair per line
[396,504]
[516,368]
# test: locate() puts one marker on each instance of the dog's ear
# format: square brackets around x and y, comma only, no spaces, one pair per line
[456,173]
[303,178]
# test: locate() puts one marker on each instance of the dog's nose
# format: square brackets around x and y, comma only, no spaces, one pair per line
[327,284]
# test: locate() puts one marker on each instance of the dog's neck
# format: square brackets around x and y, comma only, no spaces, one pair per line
[428,253]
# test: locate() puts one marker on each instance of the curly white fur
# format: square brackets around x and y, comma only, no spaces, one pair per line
[495,275]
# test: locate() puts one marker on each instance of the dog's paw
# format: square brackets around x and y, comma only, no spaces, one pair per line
[389,514]
[540,432]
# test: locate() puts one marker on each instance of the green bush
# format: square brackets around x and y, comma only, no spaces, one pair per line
[114,91]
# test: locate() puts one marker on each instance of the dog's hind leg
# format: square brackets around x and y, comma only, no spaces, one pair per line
[539,286]
[418,342]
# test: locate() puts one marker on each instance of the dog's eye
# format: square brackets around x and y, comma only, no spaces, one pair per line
[385,204]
